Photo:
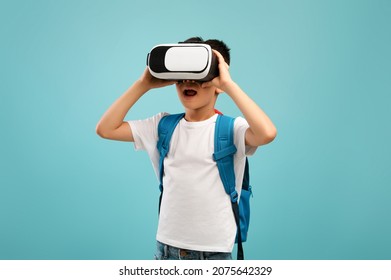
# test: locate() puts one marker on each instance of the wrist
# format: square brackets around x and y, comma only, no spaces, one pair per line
[230,87]
[141,86]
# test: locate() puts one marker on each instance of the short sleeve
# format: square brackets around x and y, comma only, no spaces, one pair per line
[145,132]
[240,128]
[145,137]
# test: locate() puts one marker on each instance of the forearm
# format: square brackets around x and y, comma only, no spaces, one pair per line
[261,130]
[114,116]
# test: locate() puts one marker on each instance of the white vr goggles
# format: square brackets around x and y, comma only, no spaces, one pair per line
[184,61]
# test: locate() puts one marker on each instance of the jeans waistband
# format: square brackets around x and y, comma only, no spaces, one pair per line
[168,252]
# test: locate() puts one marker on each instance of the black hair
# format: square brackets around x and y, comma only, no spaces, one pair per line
[215,44]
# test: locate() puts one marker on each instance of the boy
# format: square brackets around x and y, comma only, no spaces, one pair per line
[196,219]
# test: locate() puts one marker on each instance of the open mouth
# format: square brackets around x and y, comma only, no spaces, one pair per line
[189,92]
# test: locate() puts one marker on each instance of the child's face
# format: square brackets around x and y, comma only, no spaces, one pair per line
[194,97]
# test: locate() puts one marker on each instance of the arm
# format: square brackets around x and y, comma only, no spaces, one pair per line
[261,131]
[112,125]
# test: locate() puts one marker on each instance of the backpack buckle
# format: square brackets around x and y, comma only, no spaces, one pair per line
[234,196]
[163,151]
[231,150]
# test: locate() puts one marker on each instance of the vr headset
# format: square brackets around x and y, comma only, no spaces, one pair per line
[184,61]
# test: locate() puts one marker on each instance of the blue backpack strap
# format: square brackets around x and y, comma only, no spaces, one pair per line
[244,203]
[166,128]
[224,151]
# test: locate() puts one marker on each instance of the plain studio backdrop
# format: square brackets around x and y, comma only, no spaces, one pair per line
[320,69]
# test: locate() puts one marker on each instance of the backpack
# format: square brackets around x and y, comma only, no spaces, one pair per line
[224,150]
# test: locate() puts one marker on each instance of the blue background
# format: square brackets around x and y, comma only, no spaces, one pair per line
[320,69]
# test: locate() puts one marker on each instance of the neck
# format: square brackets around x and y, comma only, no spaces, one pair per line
[198,115]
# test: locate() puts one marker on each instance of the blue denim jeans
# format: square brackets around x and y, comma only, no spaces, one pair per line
[167,252]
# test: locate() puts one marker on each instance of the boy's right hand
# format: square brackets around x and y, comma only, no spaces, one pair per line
[149,82]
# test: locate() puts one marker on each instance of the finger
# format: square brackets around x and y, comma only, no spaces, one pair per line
[217,53]
[170,82]
[221,59]
[224,66]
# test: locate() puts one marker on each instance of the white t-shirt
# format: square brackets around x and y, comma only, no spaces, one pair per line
[195,213]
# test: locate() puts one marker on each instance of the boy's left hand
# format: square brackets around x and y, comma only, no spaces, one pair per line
[223,81]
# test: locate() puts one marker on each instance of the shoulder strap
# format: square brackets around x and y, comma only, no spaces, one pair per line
[165,129]
[224,150]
